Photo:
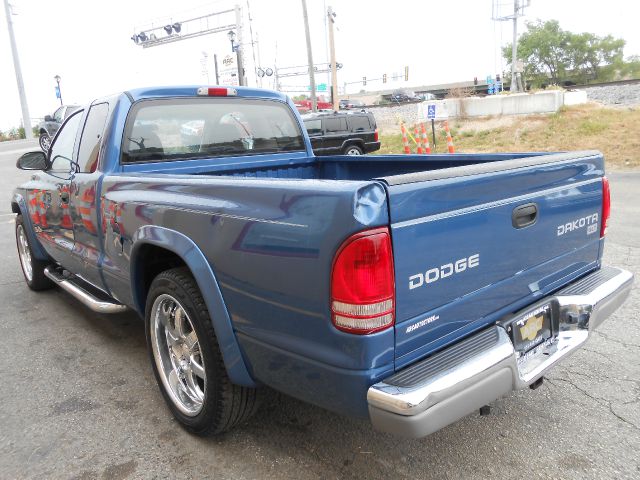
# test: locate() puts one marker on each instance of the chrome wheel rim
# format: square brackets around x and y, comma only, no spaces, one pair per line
[24,253]
[45,142]
[176,351]
[353,151]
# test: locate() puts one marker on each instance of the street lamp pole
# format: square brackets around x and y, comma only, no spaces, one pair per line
[26,119]
[239,47]
[57,79]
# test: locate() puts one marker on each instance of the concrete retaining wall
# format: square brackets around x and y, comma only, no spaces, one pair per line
[388,118]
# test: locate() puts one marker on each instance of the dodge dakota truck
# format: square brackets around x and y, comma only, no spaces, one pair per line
[408,289]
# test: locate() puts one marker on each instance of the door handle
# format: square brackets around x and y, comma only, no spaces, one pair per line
[524,215]
[64,197]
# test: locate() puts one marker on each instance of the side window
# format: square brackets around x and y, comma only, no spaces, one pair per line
[336,124]
[314,127]
[61,152]
[359,123]
[57,115]
[91,135]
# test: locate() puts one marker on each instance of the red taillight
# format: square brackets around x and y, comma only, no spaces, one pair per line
[362,283]
[606,206]
[217,92]
[375,135]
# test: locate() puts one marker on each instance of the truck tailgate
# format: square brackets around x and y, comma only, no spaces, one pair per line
[473,243]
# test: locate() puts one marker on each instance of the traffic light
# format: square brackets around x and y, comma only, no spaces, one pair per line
[497,77]
[475,80]
[384,78]
[406,74]
[364,81]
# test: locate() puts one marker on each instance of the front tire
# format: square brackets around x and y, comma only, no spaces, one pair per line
[32,268]
[186,360]
[45,142]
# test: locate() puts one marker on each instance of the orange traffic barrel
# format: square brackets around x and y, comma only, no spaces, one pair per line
[425,139]
[449,139]
[405,140]
[416,136]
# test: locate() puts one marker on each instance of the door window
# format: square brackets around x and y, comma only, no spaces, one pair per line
[61,152]
[336,125]
[91,135]
[359,124]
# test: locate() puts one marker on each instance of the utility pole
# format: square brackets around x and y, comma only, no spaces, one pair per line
[215,65]
[497,15]
[514,48]
[334,69]
[312,77]
[26,119]
[239,53]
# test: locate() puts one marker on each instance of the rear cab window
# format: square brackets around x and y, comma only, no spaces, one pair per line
[190,128]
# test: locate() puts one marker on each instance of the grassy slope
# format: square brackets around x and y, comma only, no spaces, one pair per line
[615,132]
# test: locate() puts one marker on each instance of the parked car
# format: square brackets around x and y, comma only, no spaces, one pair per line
[49,127]
[400,96]
[407,289]
[346,104]
[353,133]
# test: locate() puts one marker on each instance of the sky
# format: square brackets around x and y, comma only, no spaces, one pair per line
[88,44]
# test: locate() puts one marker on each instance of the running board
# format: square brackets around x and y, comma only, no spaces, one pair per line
[83,295]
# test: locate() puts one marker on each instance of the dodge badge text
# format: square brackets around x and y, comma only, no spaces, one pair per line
[444,271]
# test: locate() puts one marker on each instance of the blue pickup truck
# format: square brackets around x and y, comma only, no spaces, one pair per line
[411,290]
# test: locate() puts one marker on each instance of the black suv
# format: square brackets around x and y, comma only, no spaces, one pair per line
[49,127]
[352,133]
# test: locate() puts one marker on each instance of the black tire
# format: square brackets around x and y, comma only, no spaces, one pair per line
[225,405]
[45,141]
[352,150]
[36,280]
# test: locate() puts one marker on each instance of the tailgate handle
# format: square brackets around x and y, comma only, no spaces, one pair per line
[524,215]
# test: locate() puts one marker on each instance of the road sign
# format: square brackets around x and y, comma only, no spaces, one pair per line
[57,91]
[322,87]
[229,71]
[431,111]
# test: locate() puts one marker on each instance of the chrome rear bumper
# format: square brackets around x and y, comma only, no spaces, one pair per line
[443,388]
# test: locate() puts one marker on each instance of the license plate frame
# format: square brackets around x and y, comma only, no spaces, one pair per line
[531,328]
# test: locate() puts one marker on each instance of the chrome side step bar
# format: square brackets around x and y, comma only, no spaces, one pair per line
[84,296]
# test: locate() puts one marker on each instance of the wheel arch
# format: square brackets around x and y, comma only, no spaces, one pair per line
[181,250]
[19,207]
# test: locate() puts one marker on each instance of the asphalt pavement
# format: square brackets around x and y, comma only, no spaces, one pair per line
[78,398]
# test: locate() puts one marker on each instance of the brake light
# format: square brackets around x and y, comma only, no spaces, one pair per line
[362,283]
[217,92]
[606,206]
[375,135]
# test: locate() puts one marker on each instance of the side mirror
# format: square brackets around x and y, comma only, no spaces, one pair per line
[48,118]
[32,161]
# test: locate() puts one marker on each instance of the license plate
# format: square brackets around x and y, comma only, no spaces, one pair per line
[531,329]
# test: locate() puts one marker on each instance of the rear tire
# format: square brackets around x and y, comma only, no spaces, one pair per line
[32,268]
[186,360]
[353,150]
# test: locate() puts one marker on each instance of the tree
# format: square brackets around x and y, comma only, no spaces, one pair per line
[543,49]
[588,52]
[553,55]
